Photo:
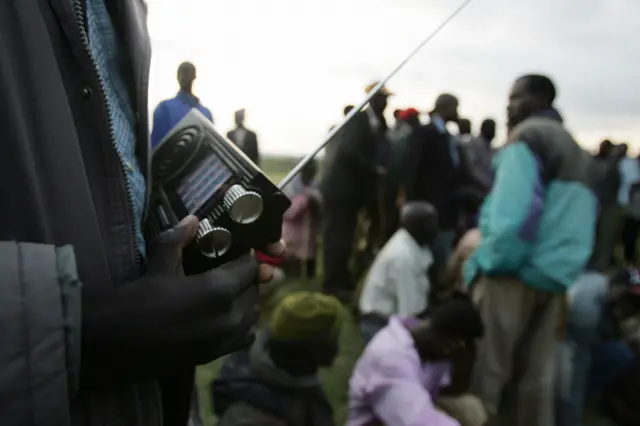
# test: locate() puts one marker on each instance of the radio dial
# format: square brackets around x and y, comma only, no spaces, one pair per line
[244,207]
[213,241]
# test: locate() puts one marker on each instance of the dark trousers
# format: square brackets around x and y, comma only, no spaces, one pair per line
[339,227]
[630,239]
[301,268]
[608,231]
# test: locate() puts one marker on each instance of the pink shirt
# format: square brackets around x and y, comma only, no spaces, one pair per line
[390,384]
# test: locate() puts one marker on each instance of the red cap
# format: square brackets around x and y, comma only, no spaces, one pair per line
[408,113]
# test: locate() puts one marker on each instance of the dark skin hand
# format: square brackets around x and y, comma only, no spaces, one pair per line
[265,272]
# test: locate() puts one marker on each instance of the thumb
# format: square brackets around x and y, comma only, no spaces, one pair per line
[168,252]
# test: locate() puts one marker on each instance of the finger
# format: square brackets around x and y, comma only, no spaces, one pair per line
[265,273]
[168,251]
[223,284]
[188,228]
[276,249]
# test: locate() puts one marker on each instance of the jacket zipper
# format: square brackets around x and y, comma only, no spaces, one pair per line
[79,12]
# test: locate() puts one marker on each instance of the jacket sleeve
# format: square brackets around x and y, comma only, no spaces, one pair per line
[513,211]
[160,124]
[207,113]
[40,349]
[353,143]
[255,151]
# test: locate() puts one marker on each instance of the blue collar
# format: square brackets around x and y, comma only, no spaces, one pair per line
[188,98]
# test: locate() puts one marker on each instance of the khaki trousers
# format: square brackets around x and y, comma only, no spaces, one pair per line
[466,409]
[521,331]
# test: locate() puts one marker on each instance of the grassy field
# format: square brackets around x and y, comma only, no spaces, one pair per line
[335,379]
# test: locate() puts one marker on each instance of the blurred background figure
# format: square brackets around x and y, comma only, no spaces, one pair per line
[275,382]
[464,130]
[414,365]
[244,138]
[332,146]
[301,222]
[434,173]
[398,282]
[350,185]
[480,152]
[169,112]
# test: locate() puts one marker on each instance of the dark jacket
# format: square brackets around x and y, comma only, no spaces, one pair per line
[249,145]
[253,391]
[431,174]
[63,184]
[351,176]
[41,319]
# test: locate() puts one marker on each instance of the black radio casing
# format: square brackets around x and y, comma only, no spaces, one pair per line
[198,171]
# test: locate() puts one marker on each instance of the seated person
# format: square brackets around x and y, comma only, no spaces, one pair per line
[593,352]
[275,382]
[300,223]
[398,281]
[411,363]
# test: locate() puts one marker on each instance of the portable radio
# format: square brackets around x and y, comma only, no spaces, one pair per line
[197,171]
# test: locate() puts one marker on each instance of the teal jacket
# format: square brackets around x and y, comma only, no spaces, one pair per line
[538,222]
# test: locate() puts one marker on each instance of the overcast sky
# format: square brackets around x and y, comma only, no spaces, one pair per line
[294,64]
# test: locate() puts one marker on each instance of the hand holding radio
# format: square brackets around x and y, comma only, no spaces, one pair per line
[168,252]
[213,312]
[196,171]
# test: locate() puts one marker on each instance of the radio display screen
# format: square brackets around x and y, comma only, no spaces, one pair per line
[203,182]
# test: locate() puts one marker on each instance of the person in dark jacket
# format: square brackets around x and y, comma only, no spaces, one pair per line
[332,146]
[350,185]
[276,382]
[434,173]
[244,138]
[75,160]
[169,112]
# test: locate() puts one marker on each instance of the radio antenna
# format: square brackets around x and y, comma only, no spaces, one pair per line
[298,167]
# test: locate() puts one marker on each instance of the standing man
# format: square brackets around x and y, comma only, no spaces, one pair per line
[169,112]
[433,173]
[349,186]
[537,226]
[244,138]
[629,170]
[332,146]
[480,153]
[464,130]
[121,348]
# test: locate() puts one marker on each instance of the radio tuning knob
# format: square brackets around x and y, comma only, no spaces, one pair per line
[213,241]
[243,206]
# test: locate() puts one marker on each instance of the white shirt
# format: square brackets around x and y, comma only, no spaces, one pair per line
[629,175]
[241,134]
[397,283]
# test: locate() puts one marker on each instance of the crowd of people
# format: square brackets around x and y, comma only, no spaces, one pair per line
[485,273]
[525,234]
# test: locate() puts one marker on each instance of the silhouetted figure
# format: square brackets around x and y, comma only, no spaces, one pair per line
[433,173]
[244,138]
[349,185]
[169,112]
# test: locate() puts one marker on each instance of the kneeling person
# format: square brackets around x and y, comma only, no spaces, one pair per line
[275,383]
[398,281]
[413,365]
